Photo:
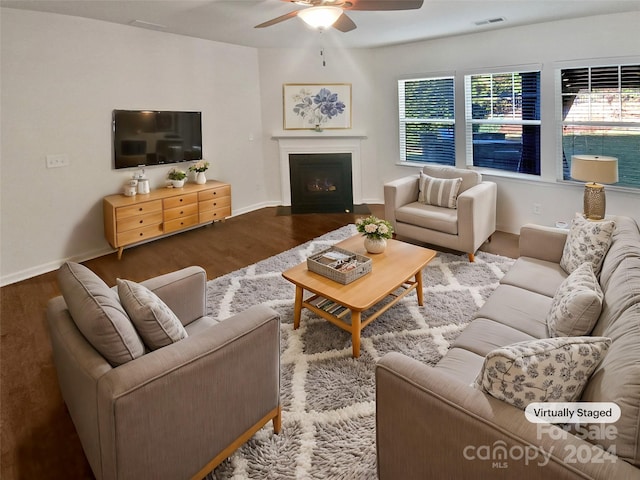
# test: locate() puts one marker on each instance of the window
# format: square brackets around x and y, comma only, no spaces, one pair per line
[427,120]
[601,116]
[503,121]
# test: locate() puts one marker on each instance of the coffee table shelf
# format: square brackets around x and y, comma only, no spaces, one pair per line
[395,273]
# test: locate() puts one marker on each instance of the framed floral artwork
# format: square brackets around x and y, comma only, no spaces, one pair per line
[313,106]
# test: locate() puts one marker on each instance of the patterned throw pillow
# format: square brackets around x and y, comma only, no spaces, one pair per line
[545,370]
[588,241]
[576,304]
[442,192]
[155,322]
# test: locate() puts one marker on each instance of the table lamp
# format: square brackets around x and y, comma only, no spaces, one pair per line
[595,170]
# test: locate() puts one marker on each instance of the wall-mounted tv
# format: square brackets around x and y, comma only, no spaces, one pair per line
[146,137]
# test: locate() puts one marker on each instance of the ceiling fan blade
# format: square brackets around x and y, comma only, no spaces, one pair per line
[344,24]
[373,5]
[279,19]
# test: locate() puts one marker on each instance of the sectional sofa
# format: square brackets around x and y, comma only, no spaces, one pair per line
[441,421]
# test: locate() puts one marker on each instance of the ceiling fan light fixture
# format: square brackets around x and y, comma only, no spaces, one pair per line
[320,17]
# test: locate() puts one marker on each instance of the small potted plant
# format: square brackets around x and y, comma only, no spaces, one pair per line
[375,232]
[200,167]
[177,177]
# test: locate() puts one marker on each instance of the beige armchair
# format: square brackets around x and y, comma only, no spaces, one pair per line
[175,412]
[463,228]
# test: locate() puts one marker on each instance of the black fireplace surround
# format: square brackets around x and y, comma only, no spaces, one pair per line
[321,183]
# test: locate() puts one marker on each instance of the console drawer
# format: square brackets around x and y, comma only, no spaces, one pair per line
[142,208]
[180,200]
[139,234]
[138,221]
[213,215]
[182,211]
[180,223]
[218,192]
[215,203]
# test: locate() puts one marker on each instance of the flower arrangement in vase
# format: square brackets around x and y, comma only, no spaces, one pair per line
[200,167]
[177,177]
[376,232]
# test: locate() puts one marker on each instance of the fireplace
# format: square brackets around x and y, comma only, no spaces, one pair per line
[321,183]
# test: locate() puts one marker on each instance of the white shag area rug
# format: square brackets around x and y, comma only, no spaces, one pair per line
[328,397]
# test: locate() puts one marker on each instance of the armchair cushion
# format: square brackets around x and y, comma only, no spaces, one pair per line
[439,191]
[153,319]
[98,314]
[429,216]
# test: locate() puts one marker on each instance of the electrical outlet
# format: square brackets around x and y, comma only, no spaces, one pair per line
[60,160]
[537,209]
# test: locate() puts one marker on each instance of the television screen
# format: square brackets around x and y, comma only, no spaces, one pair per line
[144,137]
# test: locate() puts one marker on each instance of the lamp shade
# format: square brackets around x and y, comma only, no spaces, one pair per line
[320,17]
[594,168]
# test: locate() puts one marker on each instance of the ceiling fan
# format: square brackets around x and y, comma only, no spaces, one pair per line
[333,11]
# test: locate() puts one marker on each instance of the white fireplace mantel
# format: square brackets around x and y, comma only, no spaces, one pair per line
[307,141]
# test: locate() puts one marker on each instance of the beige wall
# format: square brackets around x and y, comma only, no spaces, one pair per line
[62,76]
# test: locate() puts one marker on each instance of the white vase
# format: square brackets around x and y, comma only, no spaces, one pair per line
[201,178]
[177,183]
[375,245]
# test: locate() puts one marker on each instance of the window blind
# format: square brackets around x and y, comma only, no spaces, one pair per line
[427,120]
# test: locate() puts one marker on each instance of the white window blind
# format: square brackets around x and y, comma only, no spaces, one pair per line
[601,116]
[427,120]
[502,113]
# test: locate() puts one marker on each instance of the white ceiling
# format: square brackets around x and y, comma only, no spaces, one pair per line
[232,21]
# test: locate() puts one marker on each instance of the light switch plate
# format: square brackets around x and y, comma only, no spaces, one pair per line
[59,160]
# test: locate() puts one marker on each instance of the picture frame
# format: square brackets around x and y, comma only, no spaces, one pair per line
[316,106]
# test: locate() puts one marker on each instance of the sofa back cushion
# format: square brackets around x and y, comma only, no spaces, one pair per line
[98,314]
[617,379]
[469,178]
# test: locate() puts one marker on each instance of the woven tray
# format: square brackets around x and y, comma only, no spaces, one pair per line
[328,263]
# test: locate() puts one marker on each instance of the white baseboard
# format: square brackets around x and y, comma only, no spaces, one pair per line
[90,255]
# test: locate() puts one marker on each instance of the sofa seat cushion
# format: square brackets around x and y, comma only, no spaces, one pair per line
[461,364]
[429,216]
[542,370]
[538,276]
[483,335]
[518,308]
[155,322]
[98,314]
[587,241]
[617,379]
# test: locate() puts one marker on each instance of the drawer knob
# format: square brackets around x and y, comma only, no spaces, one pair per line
[181,199]
[141,221]
[140,209]
[141,234]
[214,204]
[181,212]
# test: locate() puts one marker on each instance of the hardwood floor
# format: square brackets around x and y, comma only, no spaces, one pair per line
[38,437]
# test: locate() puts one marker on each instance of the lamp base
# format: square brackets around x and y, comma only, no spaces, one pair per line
[594,201]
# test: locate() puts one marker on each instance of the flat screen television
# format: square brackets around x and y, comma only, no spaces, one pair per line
[145,137]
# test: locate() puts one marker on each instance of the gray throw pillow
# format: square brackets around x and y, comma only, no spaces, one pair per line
[545,370]
[576,304]
[155,322]
[98,314]
[442,192]
[588,241]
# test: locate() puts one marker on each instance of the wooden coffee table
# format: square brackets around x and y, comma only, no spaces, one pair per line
[395,272]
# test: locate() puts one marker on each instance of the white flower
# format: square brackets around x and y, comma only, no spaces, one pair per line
[359,221]
[382,229]
[371,228]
